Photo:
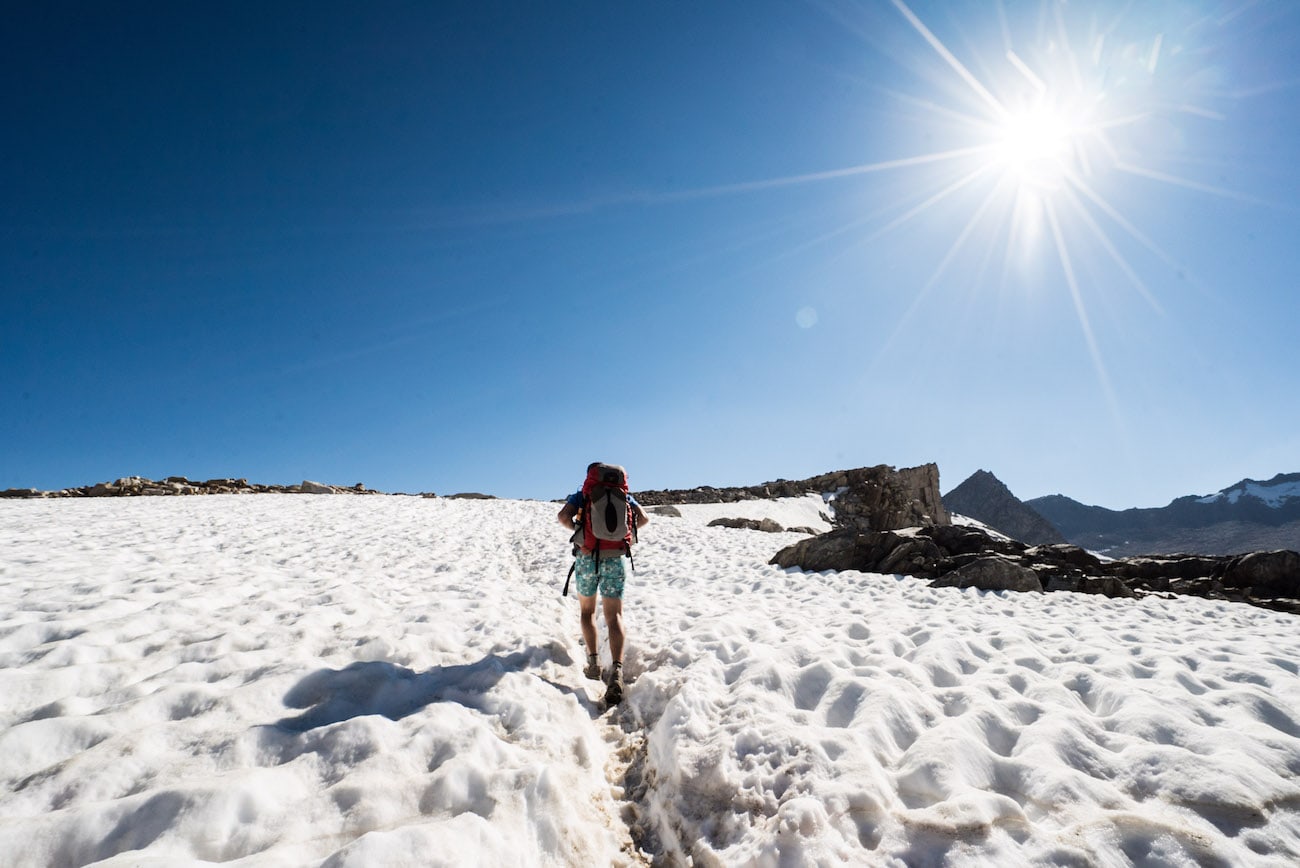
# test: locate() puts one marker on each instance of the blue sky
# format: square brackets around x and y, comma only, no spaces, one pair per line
[474,246]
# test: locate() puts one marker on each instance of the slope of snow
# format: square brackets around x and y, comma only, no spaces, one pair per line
[290,680]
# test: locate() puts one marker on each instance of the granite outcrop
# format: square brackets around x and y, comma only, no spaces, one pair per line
[967,557]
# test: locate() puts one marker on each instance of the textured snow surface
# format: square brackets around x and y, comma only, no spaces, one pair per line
[301,680]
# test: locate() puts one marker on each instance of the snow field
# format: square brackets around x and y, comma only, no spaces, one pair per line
[288,680]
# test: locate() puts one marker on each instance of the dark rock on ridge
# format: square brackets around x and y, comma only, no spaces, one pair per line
[138,486]
[964,557]
[985,498]
[878,498]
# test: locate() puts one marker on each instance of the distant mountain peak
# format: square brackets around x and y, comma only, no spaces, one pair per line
[986,498]
[1251,515]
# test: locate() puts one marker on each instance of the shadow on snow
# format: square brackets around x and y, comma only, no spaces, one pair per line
[379,687]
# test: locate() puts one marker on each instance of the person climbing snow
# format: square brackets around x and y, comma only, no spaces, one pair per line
[604,518]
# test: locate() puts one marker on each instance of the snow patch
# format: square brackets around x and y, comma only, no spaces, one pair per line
[1273,495]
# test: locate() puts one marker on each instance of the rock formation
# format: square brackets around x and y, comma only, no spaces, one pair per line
[956,556]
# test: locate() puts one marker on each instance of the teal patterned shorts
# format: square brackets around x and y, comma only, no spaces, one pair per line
[610,580]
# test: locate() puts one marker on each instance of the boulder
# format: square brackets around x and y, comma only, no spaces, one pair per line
[766,525]
[1265,574]
[1064,553]
[867,551]
[1202,587]
[913,556]
[960,540]
[670,511]
[1171,567]
[309,487]
[1107,586]
[991,574]
[845,549]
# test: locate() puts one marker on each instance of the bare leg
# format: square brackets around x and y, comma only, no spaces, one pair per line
[587,615]
[614,624]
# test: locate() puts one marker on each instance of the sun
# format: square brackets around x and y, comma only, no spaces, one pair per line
[1037,147]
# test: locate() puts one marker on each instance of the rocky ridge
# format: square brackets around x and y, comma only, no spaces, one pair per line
[1250,515]
[138,486]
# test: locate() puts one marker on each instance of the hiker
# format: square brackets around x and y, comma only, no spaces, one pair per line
[599,554]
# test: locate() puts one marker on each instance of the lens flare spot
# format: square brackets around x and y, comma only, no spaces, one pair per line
[806,317]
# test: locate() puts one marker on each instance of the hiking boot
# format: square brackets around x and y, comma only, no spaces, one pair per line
[614,691]
[592,669]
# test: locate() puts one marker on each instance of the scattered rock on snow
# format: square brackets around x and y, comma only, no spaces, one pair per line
[766,525]
[949,554]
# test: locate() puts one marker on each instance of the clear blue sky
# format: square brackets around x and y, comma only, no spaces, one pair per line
[474,246]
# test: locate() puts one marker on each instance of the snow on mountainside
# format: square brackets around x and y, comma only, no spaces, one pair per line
[1276,492]
[1247,516]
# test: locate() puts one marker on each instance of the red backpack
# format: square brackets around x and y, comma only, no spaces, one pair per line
[605,521]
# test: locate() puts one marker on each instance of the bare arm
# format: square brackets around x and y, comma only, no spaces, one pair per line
[641,518]
[566,515]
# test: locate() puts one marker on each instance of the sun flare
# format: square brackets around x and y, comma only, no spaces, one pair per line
[1038,128]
